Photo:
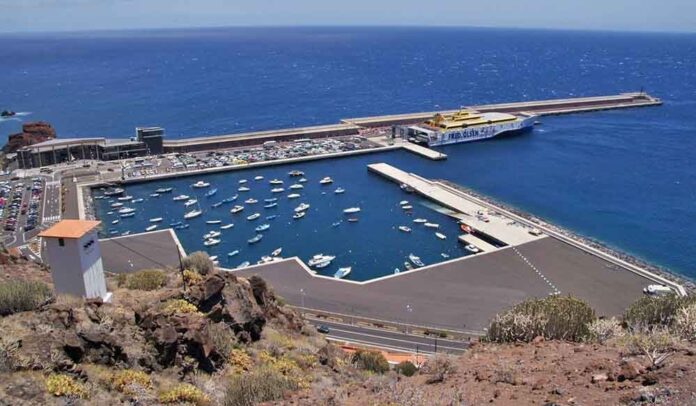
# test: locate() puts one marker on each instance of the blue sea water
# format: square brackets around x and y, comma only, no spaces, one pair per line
[627,178]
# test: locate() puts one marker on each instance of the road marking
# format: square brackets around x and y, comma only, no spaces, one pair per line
[554,290]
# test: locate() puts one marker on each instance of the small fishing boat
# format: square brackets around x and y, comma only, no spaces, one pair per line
[441,236]
[233,253]
[271,217]
[258,177]
[190,202]
[299,215]
[244,264]
[443,255]
[276,182]
[200,184]
[216,205]
[472,248]
[353,220]
[296,173]
[303,180]
[256,239]
[154,195]
[243,189]
[226,226]
[126,210]
[263,227]
[211,242]
[192,214]
[213,221]
[339,190]
[125,198]
[150,228]
[276,252]
[125,215]
[302,207]
[415,260]
[277,190]
[432,225]
[174,224]
[156,220]
[211,192]
[326,180]
[117,204]
[242,181]
[352,210]
[296,186]
[407,207]
[236,209]
[182,227]
[254,216]
[293,196]
[420,220]
[251,201]
[212,234]
[115,221]
[164,190]
[138,200]
[342,272]
[230,199]
[270,205]
[320,258]
[405,229]
[271,200]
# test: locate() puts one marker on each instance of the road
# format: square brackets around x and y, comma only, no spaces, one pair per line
[389,340]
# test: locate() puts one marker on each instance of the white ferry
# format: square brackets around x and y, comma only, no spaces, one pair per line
[465,126]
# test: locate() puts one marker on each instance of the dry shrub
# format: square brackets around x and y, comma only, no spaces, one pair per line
[554,318]
[128,380]
[406,368]
[191,277]
[602,330]
[178,306]
[64,385]
[223,338]
[264,384]
[20,296]
[439,367]
[655,344]
[184,393]
[684,324]
[655,311]
[200,262]
[148,279]
[370,360]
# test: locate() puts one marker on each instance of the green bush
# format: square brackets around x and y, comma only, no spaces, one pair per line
[148,279]
[260,385]
[370,360]
[200,262]
[406,368]
[553,318]
[650,312]
[19,296]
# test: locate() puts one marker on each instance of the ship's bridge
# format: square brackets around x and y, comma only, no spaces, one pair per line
[467,118]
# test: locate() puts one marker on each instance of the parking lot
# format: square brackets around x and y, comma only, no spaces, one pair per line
[20,206]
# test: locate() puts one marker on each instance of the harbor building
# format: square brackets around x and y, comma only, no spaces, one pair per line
[71,249]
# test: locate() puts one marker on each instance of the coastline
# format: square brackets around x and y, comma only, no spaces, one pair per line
[688,283]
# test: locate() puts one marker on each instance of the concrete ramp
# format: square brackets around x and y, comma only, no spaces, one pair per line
[477,242]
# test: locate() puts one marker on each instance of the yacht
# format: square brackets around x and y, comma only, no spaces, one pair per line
[226,226]
[243,189]
[277,190]
[213,221]
[339,190]
[420,220]
[320,258]
[276,182]
[342,272]
[164,190]
[352,210]
[326,180]
[150,228]
[212,241]
[212,234]
[156,220]
[192,214]
[200,184]
[299,215]
[263,227]
[251,201]
[254,216]
[236,209]
[302,207]
[190,202]
[432,225]
[211,192]
[441,236]
[405,229]
[126,210]
[293,196]
[415,260]
[256,239]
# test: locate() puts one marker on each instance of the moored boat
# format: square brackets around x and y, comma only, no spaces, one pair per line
[200,184]
[262,227]
[256,239]
[192,214]
[150,228]
[213,221]
[342,272]
[352,210]
[441,236]
[226,226]
[326,180]
[156,220]
[253,216]
[405,229]
[236,209]
[211,192]
[415,260]
[339,190]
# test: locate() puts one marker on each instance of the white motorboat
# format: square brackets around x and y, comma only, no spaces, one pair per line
[236,209]
[256,239]
[156,220]
[211,242]
[214,258]
[441,236]
[138,200]
[125,198]
[296,186]
[117,204]
[124,215]
[190,202]
[301,207]
[244,264]
[420,220]
[263,227]
[403,202]
[270,205]
[243,189]
[251,201]
[226,226]
[432,225]
[415,260]
[115,221]
[150,228]
[277,190]
[192,214]
[126,210]
[200,184]
[405,229]
[296,173]
[242,181]
[326,180]
[352,210]
[444,255]
[213,221]
[303,180]
[164,190]
[211,192]
[319,258]
[276,252]
[293,196]
[258,177]
[254,216]
[233,253]
[342,272]
[276,182]
[472,248]
[212,234]
[180,198]
[407,207]
[154,194]
[339,190]
[299,215]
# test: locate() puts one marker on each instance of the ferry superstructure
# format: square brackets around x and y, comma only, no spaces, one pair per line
[465,126]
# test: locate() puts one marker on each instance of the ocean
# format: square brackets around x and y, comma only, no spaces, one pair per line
[626,178]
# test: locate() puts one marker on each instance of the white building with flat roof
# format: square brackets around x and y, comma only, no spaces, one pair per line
[71,249]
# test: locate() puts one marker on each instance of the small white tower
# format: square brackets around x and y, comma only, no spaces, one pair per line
[71,249]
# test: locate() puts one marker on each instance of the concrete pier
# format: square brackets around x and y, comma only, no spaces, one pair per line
[425,152]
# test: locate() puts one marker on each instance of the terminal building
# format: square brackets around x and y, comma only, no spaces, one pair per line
[147,141]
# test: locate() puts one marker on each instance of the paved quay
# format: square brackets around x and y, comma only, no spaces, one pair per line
[157,249]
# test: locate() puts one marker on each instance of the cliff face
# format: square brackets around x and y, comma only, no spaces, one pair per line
[32,133]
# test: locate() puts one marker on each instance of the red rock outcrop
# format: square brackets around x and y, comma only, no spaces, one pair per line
[32,133]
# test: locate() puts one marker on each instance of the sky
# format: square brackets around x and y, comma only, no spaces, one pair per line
[80,15]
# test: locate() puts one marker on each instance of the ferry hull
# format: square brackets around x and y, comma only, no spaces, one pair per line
[480,133]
